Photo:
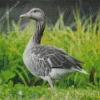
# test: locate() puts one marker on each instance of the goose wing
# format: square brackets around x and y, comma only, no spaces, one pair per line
[48,57]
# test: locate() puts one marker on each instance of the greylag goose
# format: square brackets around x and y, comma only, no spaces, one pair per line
[47,62]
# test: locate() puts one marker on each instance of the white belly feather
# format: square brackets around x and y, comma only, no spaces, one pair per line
[57,73]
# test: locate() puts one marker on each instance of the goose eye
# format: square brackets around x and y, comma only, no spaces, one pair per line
[35,11]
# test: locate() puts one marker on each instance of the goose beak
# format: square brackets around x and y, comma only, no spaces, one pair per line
[27,15]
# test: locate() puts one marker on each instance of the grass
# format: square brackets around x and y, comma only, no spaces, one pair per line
[21,92]
[81,40]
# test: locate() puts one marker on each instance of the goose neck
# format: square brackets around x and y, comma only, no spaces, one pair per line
[40,25]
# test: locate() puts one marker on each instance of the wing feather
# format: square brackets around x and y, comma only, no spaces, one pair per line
[48,57]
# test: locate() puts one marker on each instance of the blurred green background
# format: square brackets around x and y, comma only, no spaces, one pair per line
[81,40]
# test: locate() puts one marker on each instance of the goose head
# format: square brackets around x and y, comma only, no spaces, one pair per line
[35,13]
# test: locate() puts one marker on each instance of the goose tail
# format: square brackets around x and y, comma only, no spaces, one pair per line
[80,70]
[83,71]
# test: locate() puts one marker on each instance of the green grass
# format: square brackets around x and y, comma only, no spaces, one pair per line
[21,92]
[82,43]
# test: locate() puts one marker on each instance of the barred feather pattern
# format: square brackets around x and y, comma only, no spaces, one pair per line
[43,58]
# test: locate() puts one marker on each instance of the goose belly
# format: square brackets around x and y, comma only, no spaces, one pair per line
[57,73]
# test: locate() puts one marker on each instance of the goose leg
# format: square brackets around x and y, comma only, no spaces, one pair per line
[51,82]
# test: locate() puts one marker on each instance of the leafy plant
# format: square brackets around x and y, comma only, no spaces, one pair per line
[81,43]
